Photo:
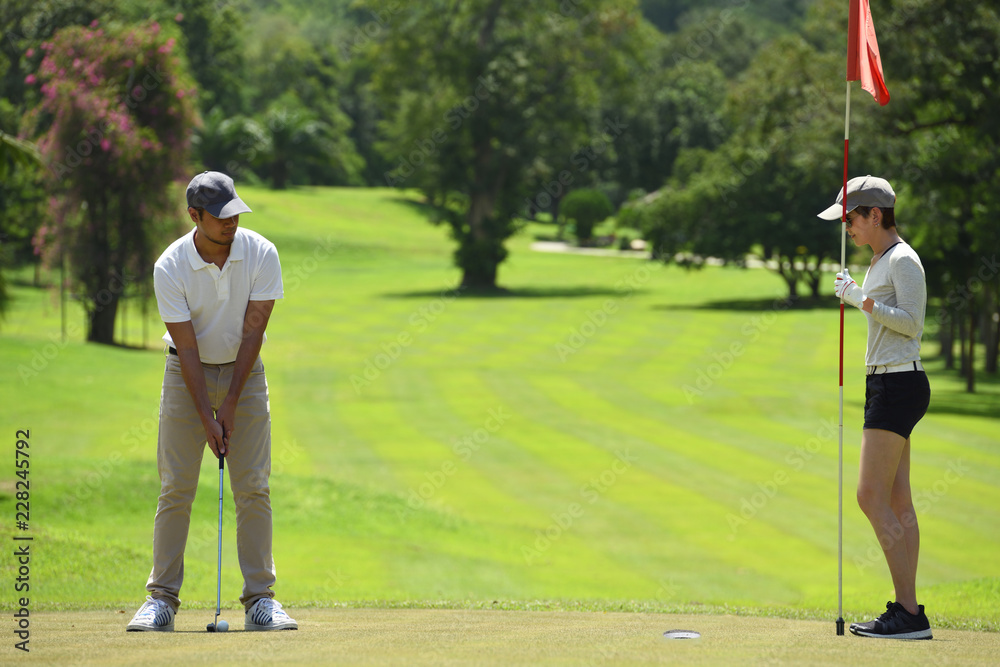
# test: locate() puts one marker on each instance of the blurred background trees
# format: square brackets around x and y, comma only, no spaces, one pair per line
[712,127]
[115,119]
[482,97]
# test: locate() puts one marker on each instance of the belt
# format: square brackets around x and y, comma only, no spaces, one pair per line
[173,351]
[895,368]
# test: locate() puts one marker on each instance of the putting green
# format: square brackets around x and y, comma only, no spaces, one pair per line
[443,637]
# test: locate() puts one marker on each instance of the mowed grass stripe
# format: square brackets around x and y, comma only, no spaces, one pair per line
[88,380]
[669,503]
[464,488]
[978,438]
[491,496]
[472,491]
[745,472]
[677,455]
[802,498]
[552,450]
[790,486]
[941,469]
[551,535]
[484,434]
[742,468]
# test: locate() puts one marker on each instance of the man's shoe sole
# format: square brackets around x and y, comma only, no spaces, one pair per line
[253,627]
[165,628]
[916,634]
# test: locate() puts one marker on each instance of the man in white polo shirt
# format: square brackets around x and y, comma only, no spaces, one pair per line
[215,289]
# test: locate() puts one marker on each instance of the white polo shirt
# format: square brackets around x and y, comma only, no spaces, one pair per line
[215,300]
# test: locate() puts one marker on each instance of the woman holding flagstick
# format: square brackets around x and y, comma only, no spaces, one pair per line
[894,299]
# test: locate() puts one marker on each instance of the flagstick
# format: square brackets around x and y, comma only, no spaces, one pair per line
[840,449]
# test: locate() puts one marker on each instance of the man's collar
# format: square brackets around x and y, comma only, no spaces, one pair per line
[236,250]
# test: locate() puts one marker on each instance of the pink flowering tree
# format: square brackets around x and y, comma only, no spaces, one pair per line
[117,113]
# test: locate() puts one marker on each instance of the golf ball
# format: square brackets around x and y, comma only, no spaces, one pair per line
[223,626]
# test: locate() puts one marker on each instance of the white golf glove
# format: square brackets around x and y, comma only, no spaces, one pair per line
[848,290]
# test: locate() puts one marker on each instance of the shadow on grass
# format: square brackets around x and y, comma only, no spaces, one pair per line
[427,211]
[758,305]
[20,281]
[985,402]
[565,292]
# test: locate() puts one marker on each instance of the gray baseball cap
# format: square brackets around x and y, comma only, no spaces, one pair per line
[216,193]
[862,191]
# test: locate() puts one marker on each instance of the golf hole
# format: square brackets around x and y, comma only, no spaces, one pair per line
[681,634]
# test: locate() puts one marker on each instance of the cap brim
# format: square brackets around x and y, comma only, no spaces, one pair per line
[228,209]
[835,212]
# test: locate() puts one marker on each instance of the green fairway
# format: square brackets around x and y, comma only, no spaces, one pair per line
[462,637]
[609,432]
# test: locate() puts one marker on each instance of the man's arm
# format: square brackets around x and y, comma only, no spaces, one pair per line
[254,323]
[186,344]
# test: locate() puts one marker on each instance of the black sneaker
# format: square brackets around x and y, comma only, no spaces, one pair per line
[895,623]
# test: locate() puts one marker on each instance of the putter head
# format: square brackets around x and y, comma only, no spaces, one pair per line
[210,627]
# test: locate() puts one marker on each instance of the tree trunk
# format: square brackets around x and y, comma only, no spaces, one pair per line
[791,278]
[555,217]
[480,277]
[793,289]
[814,280]
[481,250]
[279,174]
[996,341]
[102,318]
[946,334]
[963,358]
[970,384]
[989,328]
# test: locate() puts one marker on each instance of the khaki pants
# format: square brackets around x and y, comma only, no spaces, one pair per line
[180,447]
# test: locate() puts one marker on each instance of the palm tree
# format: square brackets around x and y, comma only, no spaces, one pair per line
[16,151]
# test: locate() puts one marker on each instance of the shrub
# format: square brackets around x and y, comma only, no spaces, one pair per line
[585,208]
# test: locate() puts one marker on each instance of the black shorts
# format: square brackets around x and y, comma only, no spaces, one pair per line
[896,401]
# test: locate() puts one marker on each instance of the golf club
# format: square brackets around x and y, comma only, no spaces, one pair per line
[217,625]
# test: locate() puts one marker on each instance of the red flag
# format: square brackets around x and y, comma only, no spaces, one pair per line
[863,60]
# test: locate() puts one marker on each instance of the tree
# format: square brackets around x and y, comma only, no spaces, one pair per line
[297,76]
[213,43]
[761,189]
[211,37]
[679,107]
[13,152]
[24,25]
[585,208]
[673,15]
[299,142]
[502,86]
[117,110]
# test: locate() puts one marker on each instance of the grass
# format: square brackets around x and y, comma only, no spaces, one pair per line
[452,637]
[610,434]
